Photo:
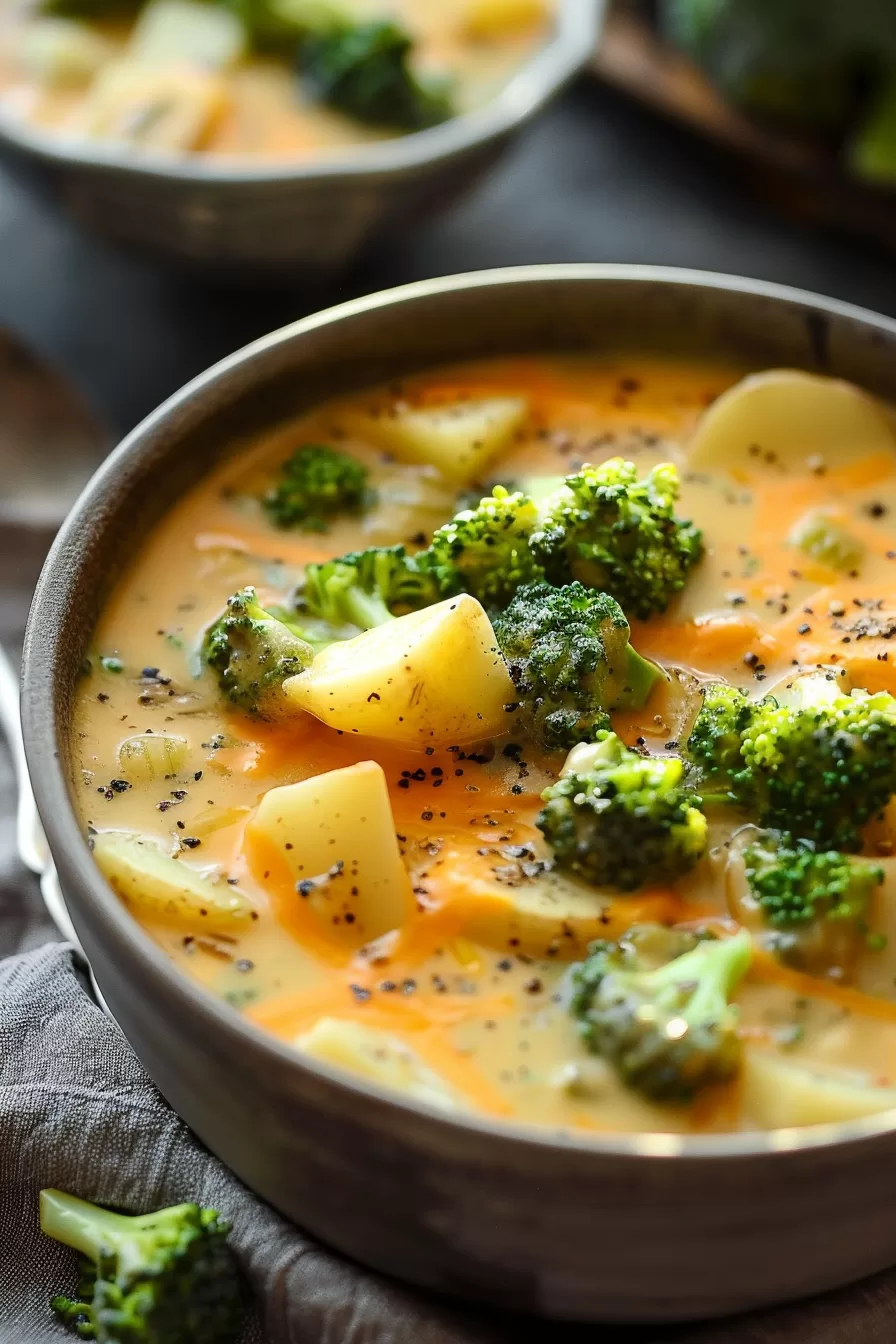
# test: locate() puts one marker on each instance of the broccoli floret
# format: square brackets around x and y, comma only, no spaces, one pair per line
[160,1278]
[823,538]
[612,531]
[485,551]
[821,763]
[656,1006]
[621,820]
[568,652]
[714,746]
[252,651]
[317,484]
[815,902]
[364,587]
[364,69]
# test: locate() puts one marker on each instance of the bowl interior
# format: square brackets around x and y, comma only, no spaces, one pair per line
[595,308]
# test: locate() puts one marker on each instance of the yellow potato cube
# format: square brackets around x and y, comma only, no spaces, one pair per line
[160,887]
[790,419]
[336,837]
[434,678]
[780,1093]
[378,1057]
[167,109]
[460,439]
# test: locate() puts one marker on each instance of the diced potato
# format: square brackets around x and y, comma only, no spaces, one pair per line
[793,420]
[460,439]
[378,1057]
[149,881]
[549,915]
[432,678]
[181,32]
[61,53]
[497,18]
[336,837]
[779,1093]
[150,756]
[171,110]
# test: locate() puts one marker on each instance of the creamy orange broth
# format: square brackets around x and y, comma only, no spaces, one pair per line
[258,108]
[482,1015]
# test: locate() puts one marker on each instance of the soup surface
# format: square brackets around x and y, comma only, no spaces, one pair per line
[276,78]
[447,963]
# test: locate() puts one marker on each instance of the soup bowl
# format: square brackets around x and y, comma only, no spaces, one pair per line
[598,1226]
[307,216]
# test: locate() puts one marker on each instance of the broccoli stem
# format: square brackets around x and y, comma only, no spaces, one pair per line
[716,967]
[640,678]
[92,1230]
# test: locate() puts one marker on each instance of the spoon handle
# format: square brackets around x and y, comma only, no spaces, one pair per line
[30,840]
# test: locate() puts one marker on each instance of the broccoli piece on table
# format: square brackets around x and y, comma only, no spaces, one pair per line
[612,531]
[253,652]
[793,61]
[364,69]
[159,1278]
[362,588]
[815,902]
[484,551]
[714,746]
[818,762]
[656,1005]
[568,652]
[622,820]
[821,537]
[315,485]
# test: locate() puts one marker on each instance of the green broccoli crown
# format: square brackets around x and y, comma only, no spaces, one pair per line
[315,485]
[622,820]
[824,763]
[160,1278]
[485,551]
[362,588]
[714,746]
[612,531]
[253,652]
[656,1006]
[568,652]
[364,69]
[815,902]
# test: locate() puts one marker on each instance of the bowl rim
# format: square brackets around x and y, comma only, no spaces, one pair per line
[65,832]
[576,30]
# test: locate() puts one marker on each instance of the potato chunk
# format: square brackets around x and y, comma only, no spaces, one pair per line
[790,419]
[62,53]
[182,32]
[164,109]
[432,678]
[778,1093]
[460,439]
[157,886]
[545,915]
[336,837]
[490,19]
[378,1057]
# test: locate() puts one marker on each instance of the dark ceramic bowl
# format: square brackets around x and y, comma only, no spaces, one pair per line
[652,1227]
[309,215]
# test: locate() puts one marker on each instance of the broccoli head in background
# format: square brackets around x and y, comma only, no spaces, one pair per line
[607,529]
[484,551]
[818,762]
[815,903]
[252,652]
[568,652]
[793,61]
[362,588]
[316,484]
[656,1005]
[364,69]
[621,820]
[160,1278]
